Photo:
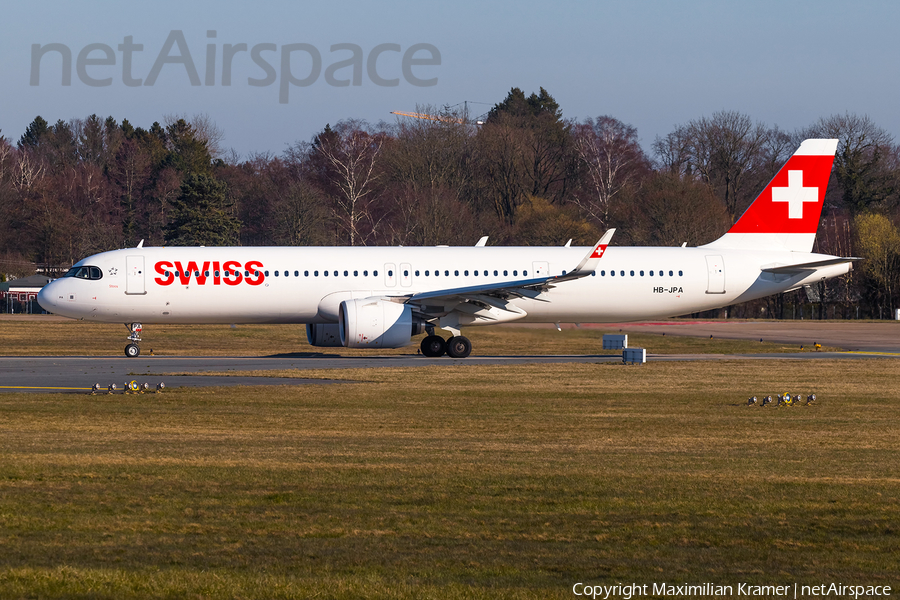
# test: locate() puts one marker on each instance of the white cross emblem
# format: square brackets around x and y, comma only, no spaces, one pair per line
[795,194]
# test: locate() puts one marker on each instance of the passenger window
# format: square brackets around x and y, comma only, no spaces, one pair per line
[466,272]
[505,273]
[417,272]
[524,273]
[495,272]
[365,273]
[680,274]
[515,273]
[426,272]
[375,273]
[316,273]
[622,273]
[642,273]
[356,273]
[651,273]
[406,273]
[670,273]
[345,273]
[297,273]
[602,273]
[612,273]
[306,273]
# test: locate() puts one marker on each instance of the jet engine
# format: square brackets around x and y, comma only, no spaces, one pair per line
[325,335]
[372,323]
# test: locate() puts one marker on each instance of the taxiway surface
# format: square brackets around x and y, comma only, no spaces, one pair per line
[79,373]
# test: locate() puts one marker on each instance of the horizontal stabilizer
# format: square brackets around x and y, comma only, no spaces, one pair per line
[810,266]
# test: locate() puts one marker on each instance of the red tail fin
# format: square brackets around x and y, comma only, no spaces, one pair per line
[786,214]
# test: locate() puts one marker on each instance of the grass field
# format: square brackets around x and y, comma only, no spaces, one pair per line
[456,482]
[38,336]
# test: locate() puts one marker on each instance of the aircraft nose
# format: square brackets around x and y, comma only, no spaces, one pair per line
[45,298]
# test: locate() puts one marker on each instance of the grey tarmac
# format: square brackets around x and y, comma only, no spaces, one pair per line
[76,374]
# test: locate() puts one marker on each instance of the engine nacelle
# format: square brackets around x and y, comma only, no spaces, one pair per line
[370,323]
[326,335]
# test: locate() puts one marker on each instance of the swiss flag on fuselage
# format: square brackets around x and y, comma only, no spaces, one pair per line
[792,202]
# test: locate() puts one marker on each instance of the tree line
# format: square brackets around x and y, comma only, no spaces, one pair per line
[523,174]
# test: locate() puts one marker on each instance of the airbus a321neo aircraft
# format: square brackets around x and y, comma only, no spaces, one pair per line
[380,297]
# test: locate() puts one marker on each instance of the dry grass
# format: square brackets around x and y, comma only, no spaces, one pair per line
[469,481]
[53,336]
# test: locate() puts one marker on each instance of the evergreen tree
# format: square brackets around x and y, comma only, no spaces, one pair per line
[37,130]
[188,153]
[201,214]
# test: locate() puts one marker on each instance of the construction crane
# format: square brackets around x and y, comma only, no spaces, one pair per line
[417,115]
[446,119]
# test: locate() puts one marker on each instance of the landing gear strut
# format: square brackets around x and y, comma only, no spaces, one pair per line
[456,347]
[133,350]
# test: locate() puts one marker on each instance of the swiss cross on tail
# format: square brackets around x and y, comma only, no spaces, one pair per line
[792,202]
[795,194]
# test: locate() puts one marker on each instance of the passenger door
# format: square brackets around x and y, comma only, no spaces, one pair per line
[134,275]
[715,266]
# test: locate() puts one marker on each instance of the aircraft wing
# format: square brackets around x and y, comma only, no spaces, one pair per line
[516,287]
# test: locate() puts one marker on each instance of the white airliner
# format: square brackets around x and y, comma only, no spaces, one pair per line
[380,297]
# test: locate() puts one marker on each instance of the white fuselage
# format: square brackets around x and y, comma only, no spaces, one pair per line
[307,284]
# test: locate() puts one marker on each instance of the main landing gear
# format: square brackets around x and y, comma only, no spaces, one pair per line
[133,350]
[456,347]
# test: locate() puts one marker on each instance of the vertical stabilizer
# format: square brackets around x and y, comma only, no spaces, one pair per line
[785,216]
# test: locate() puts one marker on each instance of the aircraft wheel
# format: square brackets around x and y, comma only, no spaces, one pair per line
[132,350]
[459,347]
[433,346]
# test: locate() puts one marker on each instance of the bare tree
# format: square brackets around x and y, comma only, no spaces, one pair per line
[345,159]
[865,165]
[723,151]
[612,159]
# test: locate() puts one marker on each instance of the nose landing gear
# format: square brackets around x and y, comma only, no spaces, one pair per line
[133,350]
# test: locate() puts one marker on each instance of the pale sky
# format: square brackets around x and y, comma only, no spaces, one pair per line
[651,64]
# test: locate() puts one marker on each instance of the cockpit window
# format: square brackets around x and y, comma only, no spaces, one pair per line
[85,273]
